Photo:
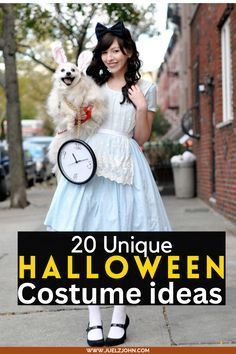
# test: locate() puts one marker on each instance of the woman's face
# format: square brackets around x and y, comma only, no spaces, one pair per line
[114,59]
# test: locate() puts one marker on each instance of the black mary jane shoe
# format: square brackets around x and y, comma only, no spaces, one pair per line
[95,343]
[117,341]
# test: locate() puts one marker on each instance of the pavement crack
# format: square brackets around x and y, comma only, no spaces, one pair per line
[33,312]
[197,210]
[172,342]
[220,342]
[14,313]
[3,255]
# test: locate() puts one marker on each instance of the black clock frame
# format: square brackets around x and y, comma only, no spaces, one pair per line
[91,153]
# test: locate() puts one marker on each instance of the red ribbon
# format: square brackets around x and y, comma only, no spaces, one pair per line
[88,114]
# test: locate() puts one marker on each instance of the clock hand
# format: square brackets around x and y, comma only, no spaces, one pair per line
[77,161]
[75,158]
[82,160]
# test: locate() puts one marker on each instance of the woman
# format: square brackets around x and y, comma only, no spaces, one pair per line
[123,174]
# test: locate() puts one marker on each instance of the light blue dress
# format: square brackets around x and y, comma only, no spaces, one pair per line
[123,195]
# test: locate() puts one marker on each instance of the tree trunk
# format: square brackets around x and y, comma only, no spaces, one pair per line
[17,174]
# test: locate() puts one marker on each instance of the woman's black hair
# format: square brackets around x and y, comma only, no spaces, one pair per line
[98,71]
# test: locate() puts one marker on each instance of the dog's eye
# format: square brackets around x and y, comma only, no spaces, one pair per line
[62,70]
[73,70]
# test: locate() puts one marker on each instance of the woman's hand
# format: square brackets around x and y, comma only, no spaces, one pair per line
[137,97]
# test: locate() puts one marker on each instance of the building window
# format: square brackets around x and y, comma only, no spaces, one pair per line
[227,89]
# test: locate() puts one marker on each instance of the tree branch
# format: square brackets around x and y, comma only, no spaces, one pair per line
[32,56]
[60,18]
[83,31]
[58,8]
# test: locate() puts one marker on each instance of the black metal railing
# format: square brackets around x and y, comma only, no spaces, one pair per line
[188,123]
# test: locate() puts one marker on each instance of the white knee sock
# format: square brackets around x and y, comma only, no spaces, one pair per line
[49,228]
[95,320]
[118,316]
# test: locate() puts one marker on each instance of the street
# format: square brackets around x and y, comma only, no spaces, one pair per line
[150,326]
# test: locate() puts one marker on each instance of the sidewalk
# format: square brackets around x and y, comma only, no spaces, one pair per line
[150,325]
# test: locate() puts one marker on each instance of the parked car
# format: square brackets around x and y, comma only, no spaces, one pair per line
[30,171]
[40,140]
[39,155]
[4,174]
[4,191]
[30,168]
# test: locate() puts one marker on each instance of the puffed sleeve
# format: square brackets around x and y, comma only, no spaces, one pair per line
[151,97]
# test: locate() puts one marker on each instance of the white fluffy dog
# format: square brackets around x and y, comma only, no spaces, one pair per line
[74,97]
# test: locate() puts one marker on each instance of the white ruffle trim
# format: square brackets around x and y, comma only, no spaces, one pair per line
[114,160]
[118,171]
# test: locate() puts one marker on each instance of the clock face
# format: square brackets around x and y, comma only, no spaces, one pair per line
[76,161]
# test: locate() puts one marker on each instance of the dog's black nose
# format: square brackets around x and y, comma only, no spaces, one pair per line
[68,73]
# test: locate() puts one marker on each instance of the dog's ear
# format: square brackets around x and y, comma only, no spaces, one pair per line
[58,53]
[84,60]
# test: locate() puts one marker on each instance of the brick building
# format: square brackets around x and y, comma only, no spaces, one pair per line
[174,75]
[168,86]
[213,65]
[204,56]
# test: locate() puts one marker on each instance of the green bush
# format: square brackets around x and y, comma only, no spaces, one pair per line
[160,125]
[160,152]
